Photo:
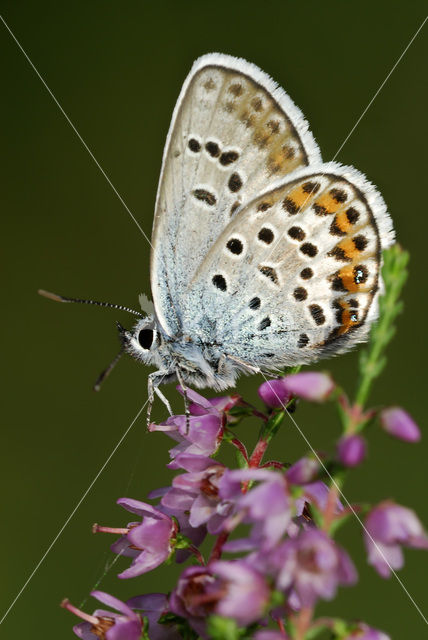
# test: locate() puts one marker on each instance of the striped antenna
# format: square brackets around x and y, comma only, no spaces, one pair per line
[58,298]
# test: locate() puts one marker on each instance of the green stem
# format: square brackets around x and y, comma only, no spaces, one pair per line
[372,359]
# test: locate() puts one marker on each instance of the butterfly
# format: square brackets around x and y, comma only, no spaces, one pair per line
[263,257]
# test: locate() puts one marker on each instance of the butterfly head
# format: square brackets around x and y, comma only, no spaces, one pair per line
[143,341]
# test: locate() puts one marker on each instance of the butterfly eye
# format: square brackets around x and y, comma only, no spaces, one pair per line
[145,338]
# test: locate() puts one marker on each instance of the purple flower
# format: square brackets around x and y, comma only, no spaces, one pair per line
[316,493]
[351,450]
[364,632]
[399,424]
[107,625]
[231,589]
[274,394]
[269,634]
[200,406]
[152,607]
[309,385]
[267,506]
[303,471]
[200,435]
[388,526]
[149,543]
[313,566]
[245,593]
[198,492]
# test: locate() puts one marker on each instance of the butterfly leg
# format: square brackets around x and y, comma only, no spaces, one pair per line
[161,396]
[153,381]
[186,399]
[151,397]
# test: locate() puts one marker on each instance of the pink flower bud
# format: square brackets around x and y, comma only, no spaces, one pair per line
[399,424]
[303,471]
[351,450]
[274,394]
[310,385]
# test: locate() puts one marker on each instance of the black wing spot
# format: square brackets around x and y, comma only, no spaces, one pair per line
[360,242]
[266,235]
[235,182]
[317,313]
[213,149]
[264,323]
[339,195]
[234,207]
[219,282]
[309,249]
[352,215]
[337,283]
[306,273]
[311,187]
[228,157]
[254,303]
[339,254]
[194,145]
[264,206]
[235,246]
[297,233]
[290,206]
[303,340]
[205,196]
[270,273]
[300,293]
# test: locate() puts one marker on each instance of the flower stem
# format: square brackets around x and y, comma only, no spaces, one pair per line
[197,553]
[372,359]
[304,619]
[218,547]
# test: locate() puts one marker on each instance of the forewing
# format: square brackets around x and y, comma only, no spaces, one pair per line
[233,133]
[295,274]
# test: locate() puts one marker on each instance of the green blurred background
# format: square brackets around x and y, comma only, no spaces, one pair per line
[117,68]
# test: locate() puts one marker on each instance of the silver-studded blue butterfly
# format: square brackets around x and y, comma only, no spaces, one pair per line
[262,257]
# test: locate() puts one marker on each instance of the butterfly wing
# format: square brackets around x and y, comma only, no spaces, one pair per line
[233,133]
[295,275]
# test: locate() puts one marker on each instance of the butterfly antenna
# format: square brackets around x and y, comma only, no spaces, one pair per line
[58,298]
[104,374]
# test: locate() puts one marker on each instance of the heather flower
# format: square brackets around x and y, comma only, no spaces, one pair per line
[303,471]
[245,593]
[309,385]
[274,394]
[316,493]
[388,527]
[198,492]
[199,435]
[267,506]
[107,625]
[152,607]
[351,450]
[313,566]
[399,424]
[230,589]
[200,406]
[149,543]
[364,632]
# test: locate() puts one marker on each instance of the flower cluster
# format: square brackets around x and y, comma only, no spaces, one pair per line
[273,555]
